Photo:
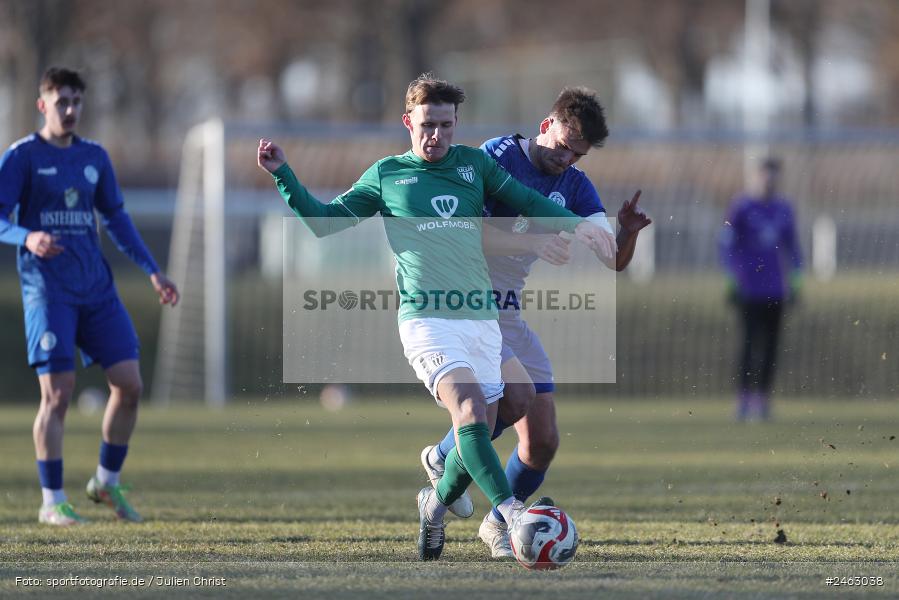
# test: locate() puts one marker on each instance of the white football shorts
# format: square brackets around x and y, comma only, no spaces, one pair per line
[434,347]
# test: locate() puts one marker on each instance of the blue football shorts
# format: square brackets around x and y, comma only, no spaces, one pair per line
[102,331]
[519,341]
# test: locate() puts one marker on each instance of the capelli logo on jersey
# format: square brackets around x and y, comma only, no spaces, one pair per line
[466,173]
[49,171]
[407,181]
[445,205]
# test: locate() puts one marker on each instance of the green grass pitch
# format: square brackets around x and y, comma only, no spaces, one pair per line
[284,499]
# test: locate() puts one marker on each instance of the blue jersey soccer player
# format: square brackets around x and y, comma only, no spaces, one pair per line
[53,180]
[575,124]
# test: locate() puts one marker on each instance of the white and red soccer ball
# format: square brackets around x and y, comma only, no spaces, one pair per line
[543,538]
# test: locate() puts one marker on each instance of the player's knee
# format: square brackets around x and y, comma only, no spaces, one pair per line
[542,448]
[133,391]
[137,389]
[472,410]
[517,398]
[129,390]
[464,399]
[56,398]
[470,413]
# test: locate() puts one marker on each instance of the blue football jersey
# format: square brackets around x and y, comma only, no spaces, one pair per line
[571,189]
[57,190]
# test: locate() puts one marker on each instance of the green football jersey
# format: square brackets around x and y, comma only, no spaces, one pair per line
[440,266]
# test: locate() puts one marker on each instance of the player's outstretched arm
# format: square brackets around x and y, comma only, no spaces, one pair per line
[43,244]
[631,219]
[167,290]
[269,156]
[358,203]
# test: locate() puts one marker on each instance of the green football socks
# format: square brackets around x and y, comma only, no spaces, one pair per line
[478,462]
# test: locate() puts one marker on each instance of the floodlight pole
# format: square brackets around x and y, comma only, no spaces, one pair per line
[214,258]
[756,60]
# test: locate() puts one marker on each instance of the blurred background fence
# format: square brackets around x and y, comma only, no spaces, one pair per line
[675,332]
[813,81]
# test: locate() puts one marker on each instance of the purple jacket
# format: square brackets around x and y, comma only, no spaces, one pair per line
[757,243]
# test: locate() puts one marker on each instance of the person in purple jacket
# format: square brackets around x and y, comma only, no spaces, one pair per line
[760,253]
[51,182]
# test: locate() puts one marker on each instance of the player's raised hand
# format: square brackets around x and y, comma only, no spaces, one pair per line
[270,156]
[43,244]
[168,292]
[600,240]
[552,248]
[630,217]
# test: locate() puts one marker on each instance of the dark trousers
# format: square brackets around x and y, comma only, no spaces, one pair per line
[761,330]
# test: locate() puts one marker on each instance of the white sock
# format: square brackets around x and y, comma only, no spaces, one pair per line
[492,518]
[52,497]
[433,509]
[509,508]
[434,457]
[107,477]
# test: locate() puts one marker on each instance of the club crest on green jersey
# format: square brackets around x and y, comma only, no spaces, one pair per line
[445,205]
[466,173]
[71,195]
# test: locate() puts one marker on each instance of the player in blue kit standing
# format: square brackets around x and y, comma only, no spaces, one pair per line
[575,124]
[760,252]
[51,182]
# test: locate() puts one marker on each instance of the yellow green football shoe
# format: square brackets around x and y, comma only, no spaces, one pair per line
[62,515]
[113,496]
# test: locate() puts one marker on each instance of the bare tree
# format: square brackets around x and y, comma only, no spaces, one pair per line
[801,19]
[40,30]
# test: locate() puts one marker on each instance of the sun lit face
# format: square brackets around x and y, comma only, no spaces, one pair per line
[431,128]
[61,108]
[557,147]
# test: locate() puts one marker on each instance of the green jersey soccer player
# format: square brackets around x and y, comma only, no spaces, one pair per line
[432,200]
